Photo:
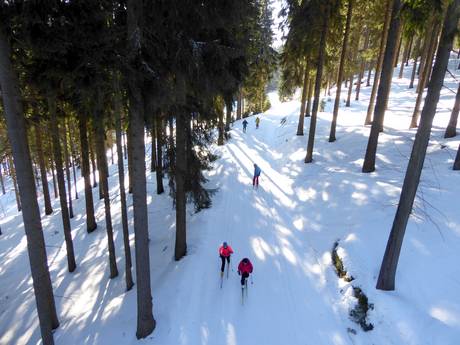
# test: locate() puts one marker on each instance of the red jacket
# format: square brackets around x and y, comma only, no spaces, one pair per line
[245,268]
[225,252]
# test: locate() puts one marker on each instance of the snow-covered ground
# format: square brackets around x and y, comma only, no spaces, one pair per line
[287,228]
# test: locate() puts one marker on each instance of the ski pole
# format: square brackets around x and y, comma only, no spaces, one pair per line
[252,282]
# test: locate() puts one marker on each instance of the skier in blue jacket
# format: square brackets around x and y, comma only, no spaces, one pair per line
[255,179]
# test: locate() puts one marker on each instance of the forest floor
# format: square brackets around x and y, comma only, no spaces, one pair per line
[287,228]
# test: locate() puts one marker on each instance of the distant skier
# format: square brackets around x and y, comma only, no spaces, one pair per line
[245,124]
[255,179]
[224,252]
[257,122]
[244,269]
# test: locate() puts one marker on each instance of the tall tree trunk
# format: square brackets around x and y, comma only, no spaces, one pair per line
[414,68]
[303,100]
[159,173]
[404,58]
[398,49]
[61,182]
[451,130]
[102,167]
[153,158]
[424,75]
[319,74]
[93,160]
[386,279]
[409,52]
[363,65]
[15,184]
[16,128]
[130,159]
[1,180]
[181,171]
[457,160]
[239,105]
[44,177]
[121,181]
[228,112]
[343,55]
[369,74]
[91,224]
[67,170]
[384,89]
[350,89]
[220,139]
[378,68]
[73,156]
[310,94]
[56,194]
[125,148]
[145,321]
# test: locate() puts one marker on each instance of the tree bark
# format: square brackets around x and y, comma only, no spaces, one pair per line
[101,156]
[145,321]
[239,106]
[319,74]
[398,49]
[228,112]
[363,65]
[93,160]
[73,156]
[409,52]
[121,181]
[350,89]
[130,159]
[369,74]
[451,130]
[181,171]
[414,68]
[159,173]
[61,182]
[386,279]
[16,128]
[67,170]
[424,75]
[405,53]
[15,184]
[310,94]
[384,89]
[91,224]
[457,160]
[220,139]
[43,175]
[303,100]
[153,147]
[1,180]
[56,194]
[378,68]
[343,55]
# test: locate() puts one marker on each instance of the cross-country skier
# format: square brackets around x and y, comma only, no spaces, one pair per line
[224,252]
[245,124]
[255,179]
[244,269]
[257,122]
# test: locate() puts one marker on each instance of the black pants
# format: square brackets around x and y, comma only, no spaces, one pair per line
[223,262]
[244,276]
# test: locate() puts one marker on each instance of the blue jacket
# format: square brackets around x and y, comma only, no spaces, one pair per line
[257,171]
[245,123]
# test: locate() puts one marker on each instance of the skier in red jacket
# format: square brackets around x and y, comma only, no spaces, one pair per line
[224,252]
[244,269]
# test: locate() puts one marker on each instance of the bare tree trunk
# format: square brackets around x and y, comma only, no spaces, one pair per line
[91,224]
[404,58]
[369,74]
[145,321]
[363,65]
[61,182]
[121,181]
[451,130]
[409,52]
[67,170]
[44,177]
[181,170]
[319,74]
[73,156]
[239,106]
[130,159]
[378,68]
[93,160]
[386,279]
[220,139]
[384,89]
[303,100]
[414,69]
[228,112]
[399,40]
[56,194]
[159,173]
[350,89]
[1,180]
[457,160]
[16,128]
[102,167]
[15,185]
[125,149]
[343,53]
[153,156]
[310,94]
[424,75]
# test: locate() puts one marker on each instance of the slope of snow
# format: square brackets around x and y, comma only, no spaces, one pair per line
[287,228]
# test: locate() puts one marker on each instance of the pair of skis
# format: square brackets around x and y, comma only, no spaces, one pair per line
[244,289]
[222,275]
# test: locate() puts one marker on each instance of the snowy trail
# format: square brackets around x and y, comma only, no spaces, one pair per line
[289,280]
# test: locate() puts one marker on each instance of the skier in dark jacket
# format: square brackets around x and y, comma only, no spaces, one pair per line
[245,124]
[255,179]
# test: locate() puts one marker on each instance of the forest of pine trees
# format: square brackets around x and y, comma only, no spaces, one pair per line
[82,79]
